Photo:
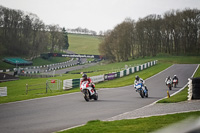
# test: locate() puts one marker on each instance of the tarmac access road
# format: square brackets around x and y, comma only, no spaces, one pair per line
[51,114]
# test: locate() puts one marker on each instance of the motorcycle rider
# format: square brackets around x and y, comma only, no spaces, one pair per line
[85,78]
[138,80]
[175,77]
[168,79]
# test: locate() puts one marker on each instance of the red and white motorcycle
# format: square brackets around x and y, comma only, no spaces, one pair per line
[175,82]
[88,91]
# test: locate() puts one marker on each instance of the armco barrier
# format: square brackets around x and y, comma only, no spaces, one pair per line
[75,83]
[97,79]
[67,84]
[110,76]
[71,83]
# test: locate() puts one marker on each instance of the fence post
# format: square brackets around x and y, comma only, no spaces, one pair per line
[26,89]
[46,86]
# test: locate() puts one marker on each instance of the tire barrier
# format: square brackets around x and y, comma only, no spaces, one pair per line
[194,88]
[71,83]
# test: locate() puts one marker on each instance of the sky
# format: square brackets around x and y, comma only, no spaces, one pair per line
[97,15]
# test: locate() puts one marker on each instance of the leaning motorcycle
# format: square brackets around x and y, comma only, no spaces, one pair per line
[169,84]
[88,91]
[142,90]
[175,82]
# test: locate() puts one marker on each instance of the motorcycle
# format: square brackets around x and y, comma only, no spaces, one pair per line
[169,84]
[175,82]
[88,91]
[142,90]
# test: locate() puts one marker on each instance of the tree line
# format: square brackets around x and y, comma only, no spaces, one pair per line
[24,34]
[80,30]
[176,33]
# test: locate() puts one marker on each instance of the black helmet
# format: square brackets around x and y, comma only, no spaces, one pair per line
[84,76]
[168,77]
[137,77]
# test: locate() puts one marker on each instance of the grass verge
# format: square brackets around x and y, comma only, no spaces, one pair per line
[140,125]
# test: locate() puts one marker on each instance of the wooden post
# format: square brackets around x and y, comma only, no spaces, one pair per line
[46,86]
[26,89]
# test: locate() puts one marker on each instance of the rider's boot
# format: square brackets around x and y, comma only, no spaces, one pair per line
[94,89]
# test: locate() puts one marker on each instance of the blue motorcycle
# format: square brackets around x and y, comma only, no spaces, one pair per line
[142,90]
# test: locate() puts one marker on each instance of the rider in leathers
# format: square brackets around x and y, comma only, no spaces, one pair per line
[85,78]
[168,79]
[175,77]
[138,80]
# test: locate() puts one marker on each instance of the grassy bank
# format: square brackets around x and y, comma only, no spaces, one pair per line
[141,125]
[84,44]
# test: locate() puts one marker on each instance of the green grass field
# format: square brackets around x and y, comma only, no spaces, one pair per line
[140,125]
[84,44]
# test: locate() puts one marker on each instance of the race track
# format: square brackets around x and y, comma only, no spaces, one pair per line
[55,113]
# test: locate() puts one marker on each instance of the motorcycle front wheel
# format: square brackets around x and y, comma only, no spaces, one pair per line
[86,96]
[142,93]
[96,96]
[174,85]
[146,92]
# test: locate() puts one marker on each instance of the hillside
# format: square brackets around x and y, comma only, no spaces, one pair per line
[84,44]
[80,44]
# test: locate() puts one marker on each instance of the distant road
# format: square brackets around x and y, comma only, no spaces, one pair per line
[45,115]
[68,69]
[63,70]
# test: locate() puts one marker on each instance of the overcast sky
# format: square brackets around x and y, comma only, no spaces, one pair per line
[95,14]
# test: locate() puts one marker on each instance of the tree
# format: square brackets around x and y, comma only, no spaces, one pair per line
[66,46]
[176,32]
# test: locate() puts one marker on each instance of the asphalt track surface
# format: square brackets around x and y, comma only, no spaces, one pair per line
[51,114]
